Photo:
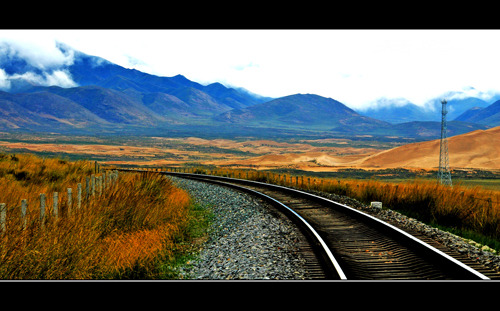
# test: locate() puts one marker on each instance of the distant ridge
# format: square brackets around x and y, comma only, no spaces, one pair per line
[489,115]
[301,111]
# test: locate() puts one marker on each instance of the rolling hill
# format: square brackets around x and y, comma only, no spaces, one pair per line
[478,149]
[45,110]
[306,111]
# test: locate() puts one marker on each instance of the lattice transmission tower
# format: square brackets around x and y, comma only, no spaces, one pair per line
[444,175]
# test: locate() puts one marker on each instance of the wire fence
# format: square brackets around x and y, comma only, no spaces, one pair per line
[95,186]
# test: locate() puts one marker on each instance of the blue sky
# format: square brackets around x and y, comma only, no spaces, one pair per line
[354,67]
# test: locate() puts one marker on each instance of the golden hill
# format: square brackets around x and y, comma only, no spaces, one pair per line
[478,149]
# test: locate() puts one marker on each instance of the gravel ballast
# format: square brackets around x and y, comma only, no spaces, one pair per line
[247,241]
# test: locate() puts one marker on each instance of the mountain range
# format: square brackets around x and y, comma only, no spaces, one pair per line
[400,110]
[107,98]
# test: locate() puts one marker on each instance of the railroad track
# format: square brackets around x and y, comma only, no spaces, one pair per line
[346,244]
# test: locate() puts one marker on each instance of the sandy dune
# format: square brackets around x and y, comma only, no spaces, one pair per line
[300,160]
[478,149]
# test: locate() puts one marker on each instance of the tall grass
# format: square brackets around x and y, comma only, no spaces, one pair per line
[128,232]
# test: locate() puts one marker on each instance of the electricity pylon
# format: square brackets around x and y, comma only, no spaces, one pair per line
[444,175]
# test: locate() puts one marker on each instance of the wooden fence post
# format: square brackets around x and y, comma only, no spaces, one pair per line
[70,200]
[42,210]
[79,198]
[55,196]
[93,184]
[99,185]
[3,216]
[87,187]
[24,207]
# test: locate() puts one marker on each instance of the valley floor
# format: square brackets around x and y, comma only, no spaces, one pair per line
[339,158]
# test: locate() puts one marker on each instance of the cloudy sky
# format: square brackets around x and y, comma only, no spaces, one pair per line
[354,67]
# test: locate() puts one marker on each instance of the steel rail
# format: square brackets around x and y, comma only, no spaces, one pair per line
[454,265]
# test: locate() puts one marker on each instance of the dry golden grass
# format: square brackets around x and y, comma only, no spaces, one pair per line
[122,233]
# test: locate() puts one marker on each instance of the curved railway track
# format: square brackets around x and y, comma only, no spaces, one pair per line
[346,244]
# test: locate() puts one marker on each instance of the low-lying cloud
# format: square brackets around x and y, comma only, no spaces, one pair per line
[41,63]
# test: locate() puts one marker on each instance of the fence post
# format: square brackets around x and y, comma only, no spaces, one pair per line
[3,217]
[55,196]
[42,210]
[87,187]
[70,200]
[93,184]
[79,198]
[24,207]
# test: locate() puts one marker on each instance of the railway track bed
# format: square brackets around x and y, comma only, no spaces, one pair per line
[358,246]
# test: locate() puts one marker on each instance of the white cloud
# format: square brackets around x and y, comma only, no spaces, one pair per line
[4,82]
[40,53]
[58,78]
